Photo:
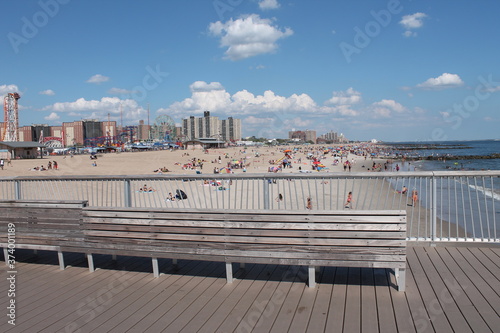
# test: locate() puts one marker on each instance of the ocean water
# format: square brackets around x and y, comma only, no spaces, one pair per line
[474,202]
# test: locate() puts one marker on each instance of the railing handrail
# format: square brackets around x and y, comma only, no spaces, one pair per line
[390,174]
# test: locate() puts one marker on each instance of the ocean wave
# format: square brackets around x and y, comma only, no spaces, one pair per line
[486,191]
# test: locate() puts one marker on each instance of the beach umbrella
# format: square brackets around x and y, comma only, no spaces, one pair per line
[287,151]
[316,162]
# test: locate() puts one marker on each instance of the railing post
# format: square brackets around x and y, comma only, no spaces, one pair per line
[433,208]
[17,189]
[127,194]
[266,194]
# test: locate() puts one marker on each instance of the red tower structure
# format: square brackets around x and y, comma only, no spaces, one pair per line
[11,117]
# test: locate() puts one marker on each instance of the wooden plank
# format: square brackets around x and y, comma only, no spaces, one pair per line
[135,308]
[252,216]
[209,211]
[285,316]
[484,272]
[197,322]
[352,318]
[254,231]
[479,303]
[400,306]
[385,304]
[321,305]
[262,307]
[253,240]
[217,318]
[369,315]
[182,299]
[455,293]
[448,304]
[432,307]
[258,225]
[476,277]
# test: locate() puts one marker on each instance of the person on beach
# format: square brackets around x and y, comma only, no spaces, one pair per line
[404,190]
[279,197]
[309,203]
[348,203]
[414,197]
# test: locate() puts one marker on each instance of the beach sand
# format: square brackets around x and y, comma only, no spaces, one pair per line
[144,163]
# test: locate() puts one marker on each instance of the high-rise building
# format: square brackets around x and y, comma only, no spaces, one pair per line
[143,131]
[305,136]
[203,127]
[231,129]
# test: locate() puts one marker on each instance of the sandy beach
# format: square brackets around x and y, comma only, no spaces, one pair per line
[146,162]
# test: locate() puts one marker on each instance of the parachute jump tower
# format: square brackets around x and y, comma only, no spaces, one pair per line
[11,117]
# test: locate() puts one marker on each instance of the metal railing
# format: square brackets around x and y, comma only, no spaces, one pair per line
[451,206]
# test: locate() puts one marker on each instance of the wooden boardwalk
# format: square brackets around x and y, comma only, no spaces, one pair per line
[449,289]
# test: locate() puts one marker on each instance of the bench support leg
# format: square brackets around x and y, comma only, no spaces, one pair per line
[229,272]
[174,262]
[242,265]
[60,256]
[113,257]
[90,260]
[6,255]
[156,270]
[312,276]
[400,274]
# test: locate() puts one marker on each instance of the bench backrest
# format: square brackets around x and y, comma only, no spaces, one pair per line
[319,238]
[42,223]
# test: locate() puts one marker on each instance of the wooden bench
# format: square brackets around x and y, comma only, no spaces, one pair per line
[373,239]
[41,225]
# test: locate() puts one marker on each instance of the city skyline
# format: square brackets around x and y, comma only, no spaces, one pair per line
[391,71]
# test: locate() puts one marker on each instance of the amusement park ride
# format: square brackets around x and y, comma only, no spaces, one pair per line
[163,130]
[11,117]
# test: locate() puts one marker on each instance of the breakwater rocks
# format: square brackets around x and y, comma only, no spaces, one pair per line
[460,157]
[448,157]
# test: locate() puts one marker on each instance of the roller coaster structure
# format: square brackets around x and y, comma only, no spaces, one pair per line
[11,117]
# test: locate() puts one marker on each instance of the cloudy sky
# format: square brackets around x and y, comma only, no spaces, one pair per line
[391,70]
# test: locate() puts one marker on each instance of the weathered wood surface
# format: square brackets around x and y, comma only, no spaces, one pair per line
[246,235]
[310,238]
[49,223]
[448,289]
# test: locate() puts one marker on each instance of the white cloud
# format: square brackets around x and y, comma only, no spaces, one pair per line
[343,110]
[252,120]
[8,88]
[493,89]
[269,4]
[348,97]
[390,104]
[386,107]
[48,92]
[213,97]
[445,80]
[202,86]
[411,22]
[99,109]
[52,117]
[119,91]
[248,36]
[97,79]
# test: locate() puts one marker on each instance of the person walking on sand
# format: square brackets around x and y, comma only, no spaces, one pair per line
[1,163]
[348,203]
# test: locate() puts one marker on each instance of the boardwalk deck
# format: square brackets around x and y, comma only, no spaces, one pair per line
[449,289]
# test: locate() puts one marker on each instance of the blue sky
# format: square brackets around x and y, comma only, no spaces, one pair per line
[389,70]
